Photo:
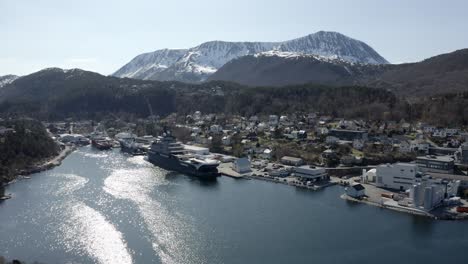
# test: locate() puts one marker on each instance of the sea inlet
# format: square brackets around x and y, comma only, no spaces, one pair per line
[107,207]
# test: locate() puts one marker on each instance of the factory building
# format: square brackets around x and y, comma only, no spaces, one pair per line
[431,163]
[429,193]
[399,176]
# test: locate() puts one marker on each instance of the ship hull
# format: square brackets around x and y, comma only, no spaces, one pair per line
[132,150]
[101,146]
[172,163]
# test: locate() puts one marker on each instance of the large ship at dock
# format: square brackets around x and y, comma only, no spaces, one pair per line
[167,153]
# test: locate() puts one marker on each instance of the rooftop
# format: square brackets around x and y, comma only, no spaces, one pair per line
[436,158]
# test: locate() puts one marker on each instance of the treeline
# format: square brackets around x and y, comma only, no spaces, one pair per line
[28,144]
[56,94]
[444,110]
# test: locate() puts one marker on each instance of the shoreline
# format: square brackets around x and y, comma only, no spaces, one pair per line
[405,210]
[43,166]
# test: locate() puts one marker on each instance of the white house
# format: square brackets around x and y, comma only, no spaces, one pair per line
[266,154]
[356,190]
[241,165]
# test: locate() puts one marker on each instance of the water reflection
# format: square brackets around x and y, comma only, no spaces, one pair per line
[169,230]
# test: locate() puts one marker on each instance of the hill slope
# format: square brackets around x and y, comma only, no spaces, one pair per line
[440,74]
[285,68]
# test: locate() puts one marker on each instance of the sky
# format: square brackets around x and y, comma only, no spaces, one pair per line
[101,35]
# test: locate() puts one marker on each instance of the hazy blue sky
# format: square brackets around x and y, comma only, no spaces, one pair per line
[103,35]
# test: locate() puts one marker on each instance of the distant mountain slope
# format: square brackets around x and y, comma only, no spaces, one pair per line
[440,74]
[146,65]
[7,79]
[334,45]
[56,93]
[198,63]
[285,68]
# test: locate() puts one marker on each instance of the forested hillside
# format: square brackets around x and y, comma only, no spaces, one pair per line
[28,144]
[57,94]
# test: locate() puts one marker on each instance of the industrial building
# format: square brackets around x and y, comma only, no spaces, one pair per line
[399,176]
[429,193]
[441,164]
[311,172]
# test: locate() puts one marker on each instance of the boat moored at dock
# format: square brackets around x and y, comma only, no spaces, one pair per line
[167,153]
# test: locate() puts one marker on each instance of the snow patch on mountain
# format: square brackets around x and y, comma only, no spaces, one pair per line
[7,79]
[198,63]
[145,65]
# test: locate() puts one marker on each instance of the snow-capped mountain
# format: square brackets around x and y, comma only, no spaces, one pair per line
[198,63]
[145,65]
[7,79]
[334,45]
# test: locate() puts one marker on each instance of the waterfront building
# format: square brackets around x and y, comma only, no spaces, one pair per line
[356,190]
[241,165]
[442,164]
[399,176]
[429,193]
[311,172]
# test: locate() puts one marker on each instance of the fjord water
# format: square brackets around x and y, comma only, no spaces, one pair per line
[106,207]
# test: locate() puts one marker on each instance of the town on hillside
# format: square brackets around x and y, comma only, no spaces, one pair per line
[416,168]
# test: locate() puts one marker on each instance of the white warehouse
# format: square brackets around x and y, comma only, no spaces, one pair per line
[399,176]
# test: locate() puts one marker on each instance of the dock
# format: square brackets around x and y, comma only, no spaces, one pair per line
[226,170]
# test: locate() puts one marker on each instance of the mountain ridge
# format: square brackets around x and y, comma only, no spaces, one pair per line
[439,74]
[199,62]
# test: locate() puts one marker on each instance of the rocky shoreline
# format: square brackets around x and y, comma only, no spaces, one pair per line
[47,165]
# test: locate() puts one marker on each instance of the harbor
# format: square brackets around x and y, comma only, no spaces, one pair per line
[133,207]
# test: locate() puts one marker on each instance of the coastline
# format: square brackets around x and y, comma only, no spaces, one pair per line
[43,166]
[406,210]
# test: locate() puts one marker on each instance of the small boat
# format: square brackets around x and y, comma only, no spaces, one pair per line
[101,143]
